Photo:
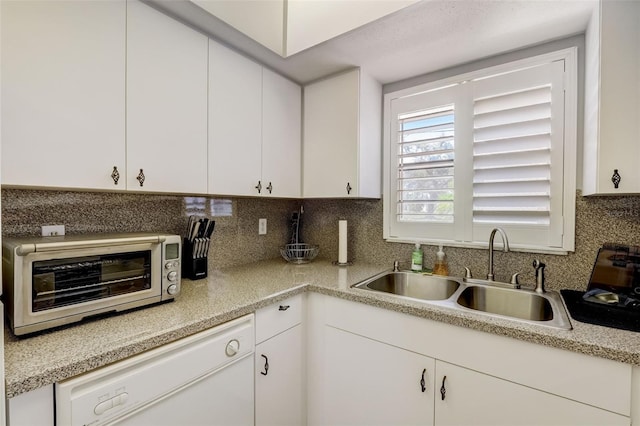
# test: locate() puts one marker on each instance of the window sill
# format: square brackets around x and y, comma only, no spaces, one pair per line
[481,245]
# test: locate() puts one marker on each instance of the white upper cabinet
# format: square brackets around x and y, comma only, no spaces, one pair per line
[342,137]
[254,128]
[612,100]
[281,136]
[166,103]
[235,122]
[63,93]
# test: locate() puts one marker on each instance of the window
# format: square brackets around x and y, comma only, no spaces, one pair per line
[492,148]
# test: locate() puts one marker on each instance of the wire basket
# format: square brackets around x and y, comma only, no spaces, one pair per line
[299,253]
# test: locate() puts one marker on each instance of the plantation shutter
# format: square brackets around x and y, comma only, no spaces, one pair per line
[484,152]
[423,132]
[425,165]
[517,154]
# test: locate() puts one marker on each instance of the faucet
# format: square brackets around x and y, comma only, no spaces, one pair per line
[539,267]
[505,244]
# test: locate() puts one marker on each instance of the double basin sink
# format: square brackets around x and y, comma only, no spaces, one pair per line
[490,298]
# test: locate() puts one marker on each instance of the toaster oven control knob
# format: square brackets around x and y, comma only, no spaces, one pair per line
[171,276]
[172,289]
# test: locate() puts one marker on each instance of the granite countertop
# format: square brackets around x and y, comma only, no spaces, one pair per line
[42,359]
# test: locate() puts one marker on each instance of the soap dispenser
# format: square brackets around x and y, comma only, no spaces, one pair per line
[441,267]
[416,259]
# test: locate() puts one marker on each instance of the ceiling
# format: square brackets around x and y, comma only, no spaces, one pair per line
[427,36]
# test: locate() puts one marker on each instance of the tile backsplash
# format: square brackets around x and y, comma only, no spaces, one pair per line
[236,240]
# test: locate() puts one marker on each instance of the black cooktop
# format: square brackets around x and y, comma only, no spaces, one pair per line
[612,298]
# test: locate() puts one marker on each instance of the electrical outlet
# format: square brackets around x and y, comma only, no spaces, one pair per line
[262,226]
[52,230]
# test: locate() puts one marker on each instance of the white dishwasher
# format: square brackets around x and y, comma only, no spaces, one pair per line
[204,379]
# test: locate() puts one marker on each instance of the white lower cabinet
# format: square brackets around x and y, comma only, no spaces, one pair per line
[279,368]
[279,380]
[368,365]
[372,383]
[473,398]
[32,408]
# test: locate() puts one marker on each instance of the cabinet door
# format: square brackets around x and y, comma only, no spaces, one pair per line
[63,93]
[331,115]
[279,380]
[472,398]
[281,135]
[235,122]
[371,383]
[612,99]
[166,103]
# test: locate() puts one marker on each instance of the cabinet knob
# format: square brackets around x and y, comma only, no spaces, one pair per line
[616,178]
[349,188]
[115,175]
[270,188]
[423,384]
[259,187]
[266,365]
[443,390]
[141,177]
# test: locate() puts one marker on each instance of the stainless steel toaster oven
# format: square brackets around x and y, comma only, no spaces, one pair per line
[51,281]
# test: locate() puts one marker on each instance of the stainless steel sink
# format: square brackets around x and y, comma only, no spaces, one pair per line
[410,284]
[523,304]
[489,299]
[511,303]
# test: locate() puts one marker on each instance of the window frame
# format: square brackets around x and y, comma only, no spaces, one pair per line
[569,164]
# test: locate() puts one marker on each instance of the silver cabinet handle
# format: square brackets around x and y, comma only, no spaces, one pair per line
[141,177]
[259,187]
[349,188]
[115,175]
[270,188]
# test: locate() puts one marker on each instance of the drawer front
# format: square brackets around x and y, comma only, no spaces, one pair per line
[276,318]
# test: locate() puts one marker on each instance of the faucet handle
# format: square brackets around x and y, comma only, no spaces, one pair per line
[537,264]
[467,273]
[515,280]
[539,267]
[396,266]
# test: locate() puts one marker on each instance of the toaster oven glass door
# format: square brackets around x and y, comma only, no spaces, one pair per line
[69,281]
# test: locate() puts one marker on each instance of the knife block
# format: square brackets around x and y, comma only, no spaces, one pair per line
[193,267]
